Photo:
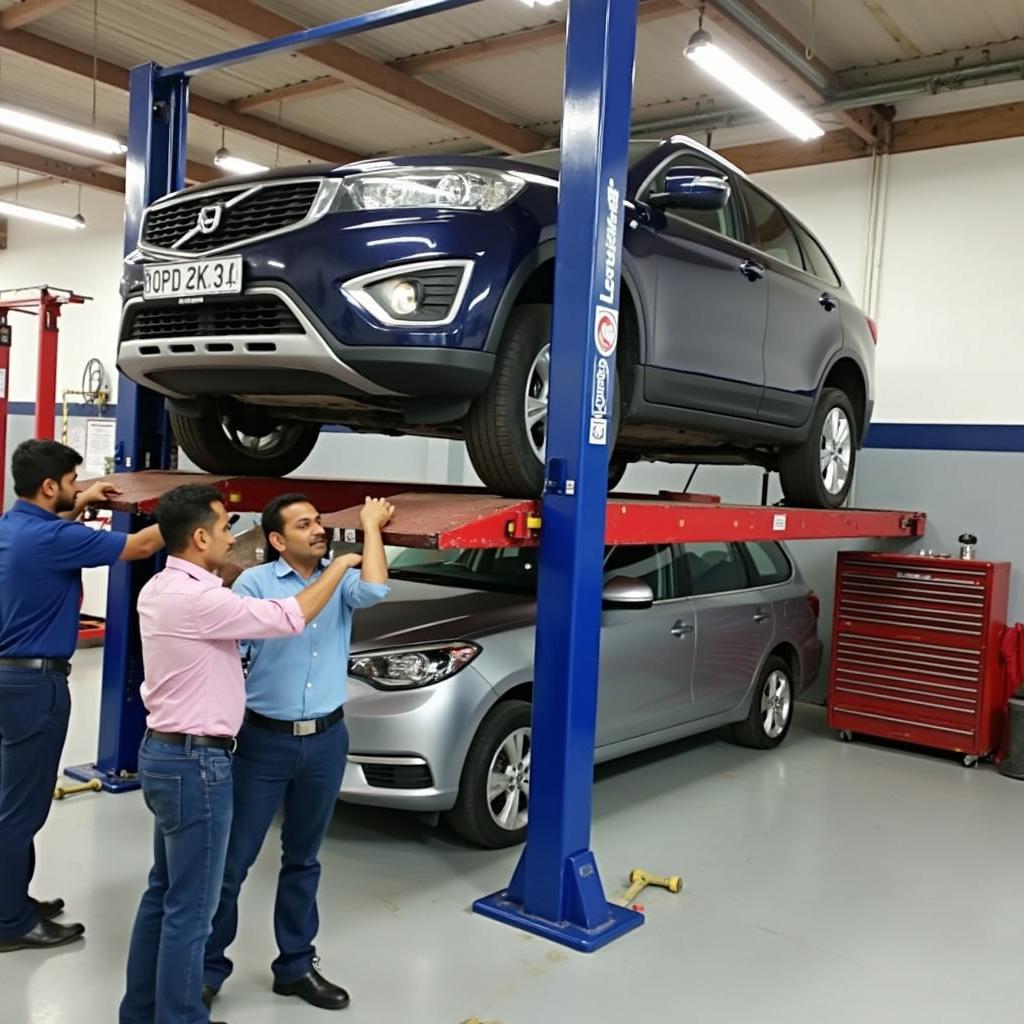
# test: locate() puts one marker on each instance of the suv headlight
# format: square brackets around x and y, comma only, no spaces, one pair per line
[411,669]
[460,188]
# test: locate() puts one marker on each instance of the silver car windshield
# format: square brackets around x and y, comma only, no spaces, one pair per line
[514,570]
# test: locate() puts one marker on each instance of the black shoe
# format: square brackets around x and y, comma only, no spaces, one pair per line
[45,935]
[209,994]
[49,909]
[316,990]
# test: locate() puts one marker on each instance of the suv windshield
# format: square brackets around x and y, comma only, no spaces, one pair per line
[551,158]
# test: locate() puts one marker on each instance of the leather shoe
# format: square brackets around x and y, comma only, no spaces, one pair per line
[49,909]
[316,990]
[45,935]
[209,994]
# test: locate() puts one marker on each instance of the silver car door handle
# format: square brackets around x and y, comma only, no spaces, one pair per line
[681,629]
[761,618]
[827,302]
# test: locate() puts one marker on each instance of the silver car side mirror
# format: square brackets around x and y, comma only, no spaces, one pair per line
[626,592]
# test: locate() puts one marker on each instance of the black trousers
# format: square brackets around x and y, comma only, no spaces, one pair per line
[34,711]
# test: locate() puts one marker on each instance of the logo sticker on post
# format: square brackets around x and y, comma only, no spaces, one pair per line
[599,403]
[606,329]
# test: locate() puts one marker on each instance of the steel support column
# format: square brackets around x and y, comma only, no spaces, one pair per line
[46,369]
[157,113]
[556,889]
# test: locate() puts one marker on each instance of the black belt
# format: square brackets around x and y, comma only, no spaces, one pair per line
[40,664]
[308,727]
[221,742]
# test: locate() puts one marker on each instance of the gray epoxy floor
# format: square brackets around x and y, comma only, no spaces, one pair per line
[823,882]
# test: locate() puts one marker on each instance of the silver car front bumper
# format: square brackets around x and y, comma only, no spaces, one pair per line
[422,733]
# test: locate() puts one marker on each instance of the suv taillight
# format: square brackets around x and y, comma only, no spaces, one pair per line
[873,328]
[815,602]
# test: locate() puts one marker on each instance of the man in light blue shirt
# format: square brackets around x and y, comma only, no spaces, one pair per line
[293,744]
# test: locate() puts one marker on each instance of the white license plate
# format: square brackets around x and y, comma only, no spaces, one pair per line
[196,278]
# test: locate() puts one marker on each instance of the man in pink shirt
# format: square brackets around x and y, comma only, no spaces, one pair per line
[194,692]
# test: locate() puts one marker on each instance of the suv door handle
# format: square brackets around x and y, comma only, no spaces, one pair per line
[751,270]
[827,302]
[761,617]
[681,629]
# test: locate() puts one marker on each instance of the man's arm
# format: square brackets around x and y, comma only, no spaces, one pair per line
[376,513]
[92,495]
[222,614]
[143,544]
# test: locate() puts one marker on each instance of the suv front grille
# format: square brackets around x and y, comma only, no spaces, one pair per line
[245,315]
[246,212]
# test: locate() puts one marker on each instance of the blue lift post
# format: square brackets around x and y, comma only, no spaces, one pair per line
[556,890]
[157,113]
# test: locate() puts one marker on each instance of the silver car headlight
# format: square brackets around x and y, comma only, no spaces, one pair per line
[411,669]
[460,188]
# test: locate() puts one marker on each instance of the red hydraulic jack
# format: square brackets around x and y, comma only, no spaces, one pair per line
[46,303]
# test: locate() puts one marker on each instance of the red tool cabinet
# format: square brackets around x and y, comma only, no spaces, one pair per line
[915,651]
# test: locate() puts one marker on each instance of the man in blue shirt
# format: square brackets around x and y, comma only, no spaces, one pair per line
[293,744]
[42,554]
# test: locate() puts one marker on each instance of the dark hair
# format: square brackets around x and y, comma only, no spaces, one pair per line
[273,522]
[182,511]
[34,462]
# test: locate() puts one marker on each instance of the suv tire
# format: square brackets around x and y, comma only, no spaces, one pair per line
[819,472]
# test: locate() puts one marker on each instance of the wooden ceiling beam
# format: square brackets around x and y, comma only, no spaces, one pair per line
[28,11]
[959,128]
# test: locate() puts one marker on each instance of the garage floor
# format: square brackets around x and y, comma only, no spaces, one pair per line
[825,882]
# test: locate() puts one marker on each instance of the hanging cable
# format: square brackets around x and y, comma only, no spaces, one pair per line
[700,17]
[809,49]
[277,152]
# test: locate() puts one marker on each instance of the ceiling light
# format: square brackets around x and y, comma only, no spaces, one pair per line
[56,220]
[539,3]
[715,61]
[57,131]
[235,164]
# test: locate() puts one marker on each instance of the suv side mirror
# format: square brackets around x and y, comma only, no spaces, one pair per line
[693,188]
[626,592]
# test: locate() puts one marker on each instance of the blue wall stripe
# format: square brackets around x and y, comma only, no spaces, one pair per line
[940,437]
[947,437]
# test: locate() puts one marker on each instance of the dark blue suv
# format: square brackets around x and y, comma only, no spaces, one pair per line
[413,296]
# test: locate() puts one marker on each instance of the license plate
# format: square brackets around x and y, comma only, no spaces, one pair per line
[197,278]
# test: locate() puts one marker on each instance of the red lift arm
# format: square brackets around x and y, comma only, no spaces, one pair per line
[428,516]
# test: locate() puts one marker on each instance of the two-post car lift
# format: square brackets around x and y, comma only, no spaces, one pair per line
[556,890]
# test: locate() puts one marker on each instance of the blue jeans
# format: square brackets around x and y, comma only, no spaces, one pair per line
[188,791]
[34,711]
[303,775]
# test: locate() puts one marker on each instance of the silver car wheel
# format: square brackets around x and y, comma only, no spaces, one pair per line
[508,781]
[776,704]
[836,450]
[535,401]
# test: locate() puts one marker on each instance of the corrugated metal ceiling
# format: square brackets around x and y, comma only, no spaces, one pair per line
[860,38]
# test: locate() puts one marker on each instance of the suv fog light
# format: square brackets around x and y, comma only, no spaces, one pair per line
[404,299]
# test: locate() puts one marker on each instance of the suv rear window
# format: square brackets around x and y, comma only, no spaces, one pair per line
[820,264]
[715,568]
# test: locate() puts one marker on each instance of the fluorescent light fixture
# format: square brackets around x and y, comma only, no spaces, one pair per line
[57,131]
[733,75]
[540,3]
[235,164]
[56,220]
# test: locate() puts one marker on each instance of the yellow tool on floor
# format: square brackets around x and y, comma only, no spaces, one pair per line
[71,788]
[640,879]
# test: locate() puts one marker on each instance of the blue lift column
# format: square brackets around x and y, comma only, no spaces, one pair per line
[157,116]
[556,890]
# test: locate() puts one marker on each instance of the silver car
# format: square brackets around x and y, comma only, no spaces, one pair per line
[694,637]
